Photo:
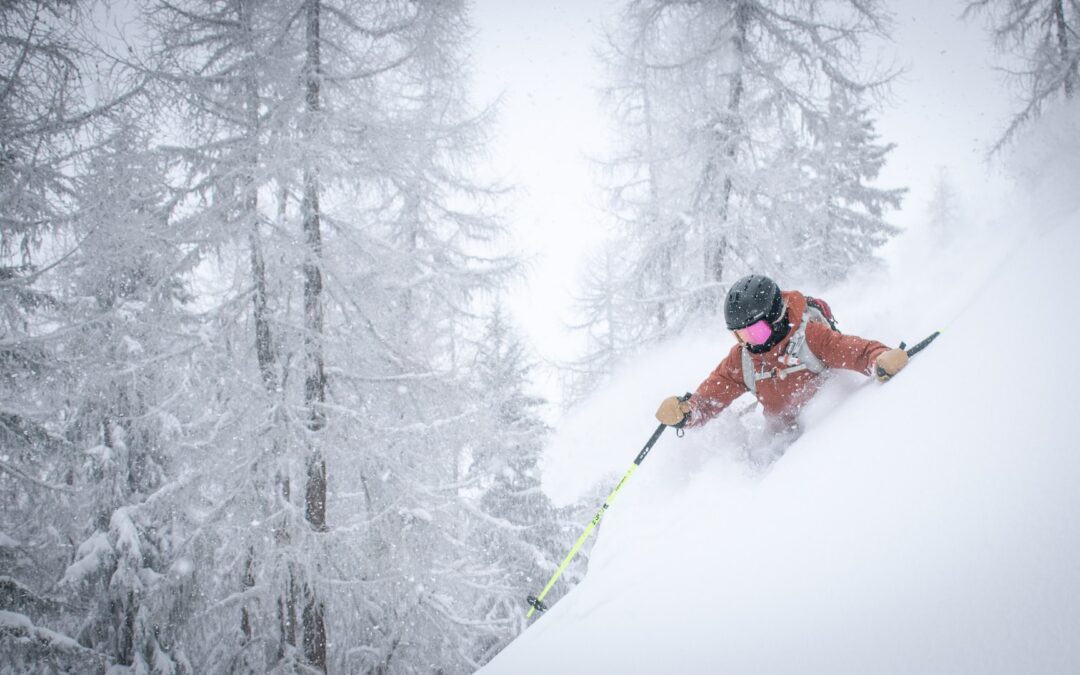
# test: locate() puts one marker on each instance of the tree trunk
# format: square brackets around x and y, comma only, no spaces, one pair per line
[125,653]
[315,380]
[1062,28]
[264,344]
[716,243]
[286,603]
[247,582]
[655,214]
[315,633]
[250,199]
[286,607]
[264,349]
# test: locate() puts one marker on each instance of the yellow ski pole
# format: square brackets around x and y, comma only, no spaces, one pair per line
[536,602]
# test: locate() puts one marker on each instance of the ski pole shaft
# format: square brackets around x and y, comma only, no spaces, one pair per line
[536,602]
[922,345]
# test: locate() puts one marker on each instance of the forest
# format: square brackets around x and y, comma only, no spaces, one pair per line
[263,407]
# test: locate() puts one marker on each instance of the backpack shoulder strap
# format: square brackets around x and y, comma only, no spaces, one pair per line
[797,346]
[748,371]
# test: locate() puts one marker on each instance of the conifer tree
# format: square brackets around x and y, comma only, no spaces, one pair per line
[1044,36]
[80,434]
[322,151]
[747,145]
[942,210]
[127,294]
[239,313]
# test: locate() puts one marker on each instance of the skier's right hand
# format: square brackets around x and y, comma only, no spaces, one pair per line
[673,411]
[890,363]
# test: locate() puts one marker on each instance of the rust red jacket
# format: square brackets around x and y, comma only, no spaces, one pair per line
[782,398]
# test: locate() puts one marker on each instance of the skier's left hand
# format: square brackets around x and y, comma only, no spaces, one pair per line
[890,363]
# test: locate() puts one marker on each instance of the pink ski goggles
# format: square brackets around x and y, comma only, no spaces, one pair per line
[756,333]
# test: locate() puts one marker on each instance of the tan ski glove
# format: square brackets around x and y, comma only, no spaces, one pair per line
[672,411]
[890,363]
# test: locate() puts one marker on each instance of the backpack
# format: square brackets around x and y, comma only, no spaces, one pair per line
[797,349]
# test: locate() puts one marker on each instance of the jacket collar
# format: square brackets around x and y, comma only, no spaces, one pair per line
[796,308]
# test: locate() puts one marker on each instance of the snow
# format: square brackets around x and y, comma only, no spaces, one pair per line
[419,514]
[125,533]
[183,567]
[22,627]
[90,558]
[922,526]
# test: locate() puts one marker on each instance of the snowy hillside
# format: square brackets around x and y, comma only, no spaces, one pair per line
[924,526]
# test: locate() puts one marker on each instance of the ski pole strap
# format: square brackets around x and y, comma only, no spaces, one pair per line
[678,428]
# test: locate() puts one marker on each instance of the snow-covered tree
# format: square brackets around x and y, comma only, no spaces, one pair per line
[942,210]
[132,334]
[80,433]
[747,144]
[322,147]
[512,523]
[249,405]
[611,305]
[829,217]
[1044,36]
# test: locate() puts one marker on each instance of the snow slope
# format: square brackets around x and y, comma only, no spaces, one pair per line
[929,525]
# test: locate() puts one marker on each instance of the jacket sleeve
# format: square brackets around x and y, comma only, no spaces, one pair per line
[724,385]
[837,350]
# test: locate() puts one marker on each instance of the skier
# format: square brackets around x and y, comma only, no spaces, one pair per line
[785,342]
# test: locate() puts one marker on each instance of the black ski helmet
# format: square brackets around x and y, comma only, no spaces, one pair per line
[751,299]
